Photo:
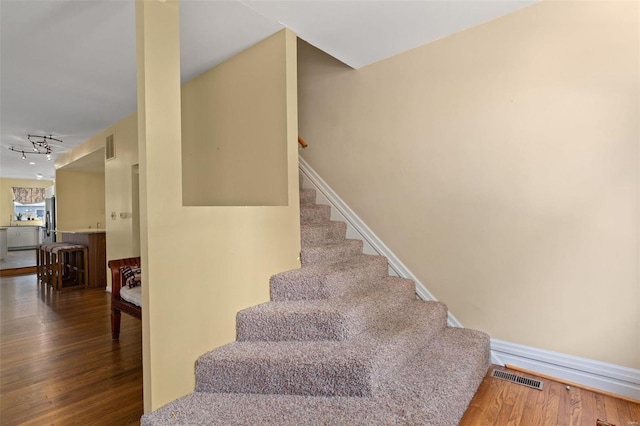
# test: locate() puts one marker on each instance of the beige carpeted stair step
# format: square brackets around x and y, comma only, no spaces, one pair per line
[325,232]
[432,389]
[436,385]
[356,275]
[286,368]
[307,197]
[238,409]
[328,319]
[317,213]
[345,368]
[330,253]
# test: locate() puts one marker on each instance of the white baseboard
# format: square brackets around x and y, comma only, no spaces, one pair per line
[357,229]
[595,374]
[587,372]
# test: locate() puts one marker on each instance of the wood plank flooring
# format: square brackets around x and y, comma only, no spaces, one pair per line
[499,402]
[58,365]
[18,262]
[18,259]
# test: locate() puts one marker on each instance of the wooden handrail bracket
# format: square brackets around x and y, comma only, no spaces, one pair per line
[302,143]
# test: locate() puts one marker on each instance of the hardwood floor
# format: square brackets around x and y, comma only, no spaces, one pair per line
[58,365]
[18,262]
[499,402]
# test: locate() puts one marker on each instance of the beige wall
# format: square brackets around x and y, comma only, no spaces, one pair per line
[86,148]
[6,198]
[80,199]
[501,165]
[240,160]
[119,187]
[202,264]
[80,193]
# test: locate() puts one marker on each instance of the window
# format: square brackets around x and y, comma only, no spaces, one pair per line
[33,211]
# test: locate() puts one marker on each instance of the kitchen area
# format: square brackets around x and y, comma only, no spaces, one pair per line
[69,209]
[31,214]
[33,220]
[18,243]
[25,209]
[14,261]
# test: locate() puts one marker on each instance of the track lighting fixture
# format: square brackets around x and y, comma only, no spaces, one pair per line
[40,146]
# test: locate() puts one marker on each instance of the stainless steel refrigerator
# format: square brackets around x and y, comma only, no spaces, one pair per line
[49,228]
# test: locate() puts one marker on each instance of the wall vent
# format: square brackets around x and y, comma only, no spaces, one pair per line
[532,383]
[110,148]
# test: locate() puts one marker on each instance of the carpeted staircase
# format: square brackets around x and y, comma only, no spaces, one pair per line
[340,343]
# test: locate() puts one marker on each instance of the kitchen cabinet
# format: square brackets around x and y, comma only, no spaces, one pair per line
[3,243]
[22,236]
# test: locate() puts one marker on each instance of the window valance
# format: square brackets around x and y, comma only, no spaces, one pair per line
[28,195]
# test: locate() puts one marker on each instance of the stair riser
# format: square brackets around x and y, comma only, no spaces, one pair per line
[329,254]
[286,378]
[341,323]
[299,327]
[404,344]
[332,232]
[314,214]
[307,197]
[392,353]
[333,285]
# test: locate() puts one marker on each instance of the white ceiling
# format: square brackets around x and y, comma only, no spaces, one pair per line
[67,68]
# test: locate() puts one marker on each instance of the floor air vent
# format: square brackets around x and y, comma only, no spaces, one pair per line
[532,383]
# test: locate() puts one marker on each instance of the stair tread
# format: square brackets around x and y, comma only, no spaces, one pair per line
[422,392]
[315,207]
[340,368]
[325,319]
[285,410]
[334,244]
[323,305]
[321,270]
[362,348]
[330,252]
[329,280]
[322,224]
[330,227]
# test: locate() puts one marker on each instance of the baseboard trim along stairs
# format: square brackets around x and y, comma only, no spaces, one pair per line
[340,342]
[594,374]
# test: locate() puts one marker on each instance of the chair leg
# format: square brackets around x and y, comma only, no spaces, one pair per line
[57,267]
[115,323]
[85,268]
[47,268]
[39,264]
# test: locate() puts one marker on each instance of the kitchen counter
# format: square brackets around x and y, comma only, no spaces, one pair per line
[96,242]
[83,231]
